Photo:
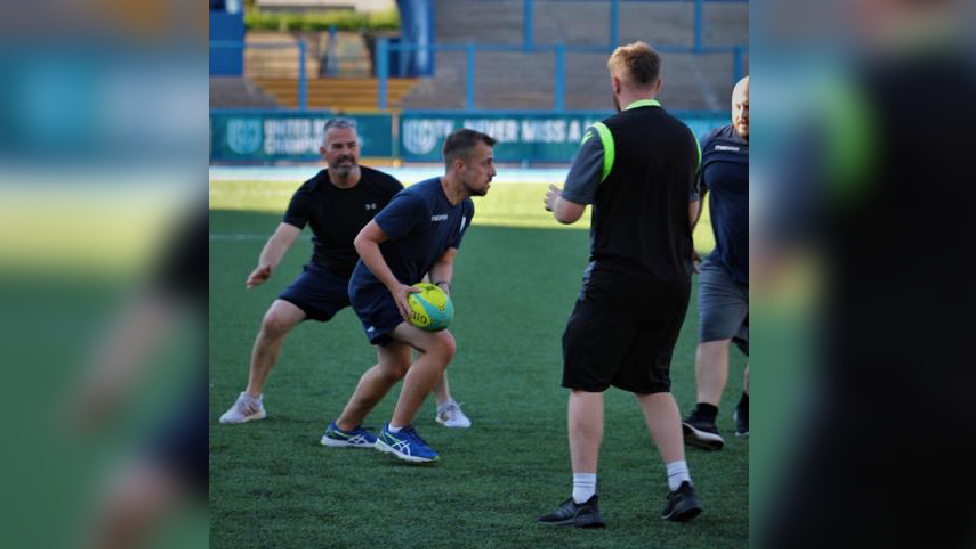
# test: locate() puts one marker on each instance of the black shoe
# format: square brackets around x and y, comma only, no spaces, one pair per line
[741,418]
[580,515]
[701,432]
[682,505]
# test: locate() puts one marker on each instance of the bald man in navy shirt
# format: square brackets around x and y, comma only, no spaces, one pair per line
[724,294]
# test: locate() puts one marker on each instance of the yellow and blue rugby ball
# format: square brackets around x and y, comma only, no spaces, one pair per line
[431,309]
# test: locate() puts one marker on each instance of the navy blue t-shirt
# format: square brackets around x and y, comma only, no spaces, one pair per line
[420,225]
[725,172]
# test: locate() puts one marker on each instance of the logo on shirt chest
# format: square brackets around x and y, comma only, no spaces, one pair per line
[439,217]
[370,207]
[726,148]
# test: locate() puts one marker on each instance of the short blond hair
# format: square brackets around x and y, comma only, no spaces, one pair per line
[636,63]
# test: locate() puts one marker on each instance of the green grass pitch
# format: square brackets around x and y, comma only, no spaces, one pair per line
[273,485]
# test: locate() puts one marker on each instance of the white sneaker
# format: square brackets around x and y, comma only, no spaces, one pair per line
[449,414]
[245,409]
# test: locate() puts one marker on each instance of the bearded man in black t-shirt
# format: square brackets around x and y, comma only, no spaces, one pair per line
[337,203]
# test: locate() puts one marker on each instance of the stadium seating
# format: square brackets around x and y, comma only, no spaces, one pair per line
[337,94]
[271,75]
[503,79]
[233,92]
[691,81]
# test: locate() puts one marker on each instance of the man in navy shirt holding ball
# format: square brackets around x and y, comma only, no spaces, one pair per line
[419,232]
[335,204]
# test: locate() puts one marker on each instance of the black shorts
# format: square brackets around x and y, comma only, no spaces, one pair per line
[181,444]
[318,292]
[603,345]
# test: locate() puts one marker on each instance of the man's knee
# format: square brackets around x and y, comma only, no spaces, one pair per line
[394,363]
[713,352]
[277,323]
[444,345]
[394,371]
[141,496]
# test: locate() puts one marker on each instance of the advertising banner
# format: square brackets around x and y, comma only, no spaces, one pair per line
[527,138]
[263,137]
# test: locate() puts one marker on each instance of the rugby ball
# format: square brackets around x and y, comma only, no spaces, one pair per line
[430,309]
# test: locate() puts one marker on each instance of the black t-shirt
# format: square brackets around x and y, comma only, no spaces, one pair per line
[638,170]
[725,172]
[181,271]
[886,194]
[337,215]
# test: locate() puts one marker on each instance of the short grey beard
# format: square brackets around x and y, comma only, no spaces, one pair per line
[343,172]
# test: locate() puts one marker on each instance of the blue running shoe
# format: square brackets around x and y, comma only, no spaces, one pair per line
[406,445]
[334,437]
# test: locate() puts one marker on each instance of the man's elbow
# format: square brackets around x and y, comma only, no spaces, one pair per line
[568,216]
[565,218]
[360,243]
[439,267]
[694,212]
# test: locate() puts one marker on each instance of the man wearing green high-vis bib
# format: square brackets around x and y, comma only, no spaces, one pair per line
[638,170]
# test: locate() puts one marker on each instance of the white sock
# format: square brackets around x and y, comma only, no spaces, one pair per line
[393,429]
[677,473]
[444,405]
[584,486]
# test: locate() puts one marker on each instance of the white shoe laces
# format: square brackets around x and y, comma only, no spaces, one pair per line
[248,405]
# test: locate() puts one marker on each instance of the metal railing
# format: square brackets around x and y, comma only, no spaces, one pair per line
[559,50]
[298,45]
[385,47]
[698,22]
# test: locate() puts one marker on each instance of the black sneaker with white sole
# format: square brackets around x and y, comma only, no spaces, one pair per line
[579,515]
[741,423]
[683,505]
[741,418]
[701,433]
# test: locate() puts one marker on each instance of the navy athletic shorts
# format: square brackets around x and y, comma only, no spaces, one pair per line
[376,309]
[319,292]
[181,444]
